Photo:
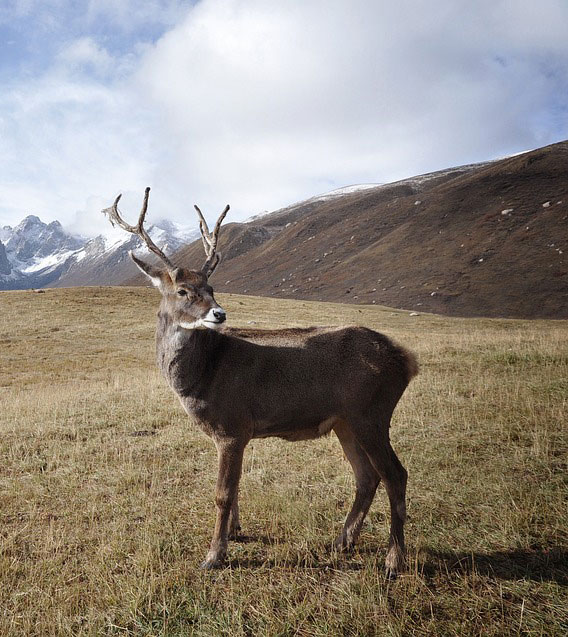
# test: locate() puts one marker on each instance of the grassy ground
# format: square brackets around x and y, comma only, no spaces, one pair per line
[106,487]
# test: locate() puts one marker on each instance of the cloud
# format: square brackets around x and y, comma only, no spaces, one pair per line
[260,103]
[271,101]
[84,55]
[72,129]
[64,139]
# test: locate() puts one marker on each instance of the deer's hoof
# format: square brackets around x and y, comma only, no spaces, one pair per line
[235,532]
[211,565]
[394,563]
[343,545]
[214,559]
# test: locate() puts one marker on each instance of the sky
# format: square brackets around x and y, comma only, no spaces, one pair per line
[262,103]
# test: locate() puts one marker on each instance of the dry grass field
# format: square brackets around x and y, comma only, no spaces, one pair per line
[106,487]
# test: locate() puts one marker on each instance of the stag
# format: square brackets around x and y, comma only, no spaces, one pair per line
[295,384]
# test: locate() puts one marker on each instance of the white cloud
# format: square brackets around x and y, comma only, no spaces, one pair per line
[84,55]
[270,101]
[65,141]
[262,102]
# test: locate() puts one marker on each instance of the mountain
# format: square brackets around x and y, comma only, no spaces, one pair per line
[5,265]
[35,254]
[105,262]
[486,239]
[480,240]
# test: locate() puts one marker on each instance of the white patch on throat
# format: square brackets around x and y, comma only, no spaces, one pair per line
[193,325]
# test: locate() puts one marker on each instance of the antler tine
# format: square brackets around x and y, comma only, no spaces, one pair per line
[219,222]
[210,240]
[142,216]
[138,229]
[204,228]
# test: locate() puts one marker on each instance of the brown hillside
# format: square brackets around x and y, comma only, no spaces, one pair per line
[482,240]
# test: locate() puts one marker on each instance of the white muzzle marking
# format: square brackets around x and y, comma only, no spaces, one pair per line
[212,320]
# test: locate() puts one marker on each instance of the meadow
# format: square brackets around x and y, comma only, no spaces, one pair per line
[106,486]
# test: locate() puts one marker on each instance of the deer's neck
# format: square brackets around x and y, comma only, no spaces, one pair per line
[187,358]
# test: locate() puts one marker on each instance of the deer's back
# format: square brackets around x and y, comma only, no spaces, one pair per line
[296,383]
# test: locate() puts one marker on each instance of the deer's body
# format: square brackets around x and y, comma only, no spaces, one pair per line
[296,384]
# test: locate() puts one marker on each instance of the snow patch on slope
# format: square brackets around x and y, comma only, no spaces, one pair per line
[46,262]
[346,190]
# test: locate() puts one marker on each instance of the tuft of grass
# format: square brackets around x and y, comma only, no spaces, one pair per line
[106,486]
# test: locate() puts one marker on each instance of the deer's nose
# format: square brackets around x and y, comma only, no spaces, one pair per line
[220,315]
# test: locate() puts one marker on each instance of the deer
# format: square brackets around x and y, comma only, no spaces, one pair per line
[240,384]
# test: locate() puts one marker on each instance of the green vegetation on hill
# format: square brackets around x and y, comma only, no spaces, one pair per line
[106,487]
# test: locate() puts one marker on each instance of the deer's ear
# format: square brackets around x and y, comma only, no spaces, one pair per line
[176,275]
[156,275]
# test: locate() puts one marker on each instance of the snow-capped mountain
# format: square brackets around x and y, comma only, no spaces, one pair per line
[35,254]
[105,261]
[5,265]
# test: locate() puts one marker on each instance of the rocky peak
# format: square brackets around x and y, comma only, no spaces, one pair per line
[5,267]
[32,238]
[6,233]
[31,220]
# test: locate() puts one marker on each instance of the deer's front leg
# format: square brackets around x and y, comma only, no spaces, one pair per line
[230,455]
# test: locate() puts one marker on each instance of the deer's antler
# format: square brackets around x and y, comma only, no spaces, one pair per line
[138,229]
[210,241]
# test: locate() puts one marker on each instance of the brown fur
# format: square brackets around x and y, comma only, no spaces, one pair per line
[296,384]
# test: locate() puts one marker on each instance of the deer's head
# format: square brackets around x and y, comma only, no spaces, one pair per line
[187,297]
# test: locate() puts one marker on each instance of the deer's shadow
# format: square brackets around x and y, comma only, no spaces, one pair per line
[534,563]
[537,563]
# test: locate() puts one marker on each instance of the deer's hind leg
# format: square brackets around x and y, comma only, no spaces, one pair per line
[373,437]
[396,491]
[366,480]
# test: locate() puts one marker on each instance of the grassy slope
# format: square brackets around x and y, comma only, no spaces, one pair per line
[106,488]
[454,253]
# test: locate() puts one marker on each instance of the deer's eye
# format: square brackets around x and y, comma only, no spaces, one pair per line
[182,292]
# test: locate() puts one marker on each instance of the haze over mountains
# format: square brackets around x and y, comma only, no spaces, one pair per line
[486,239]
